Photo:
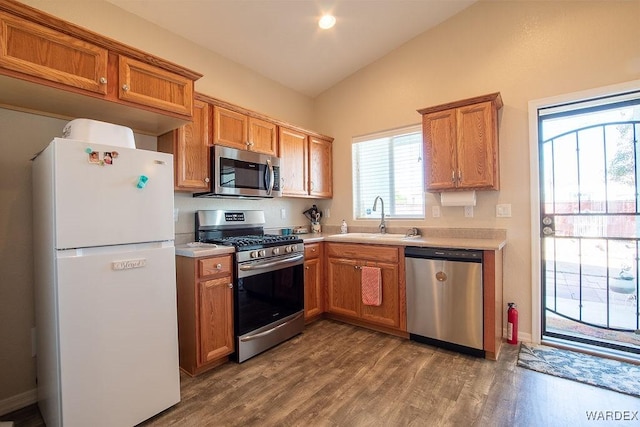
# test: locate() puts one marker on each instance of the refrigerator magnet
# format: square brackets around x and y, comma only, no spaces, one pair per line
[94,157]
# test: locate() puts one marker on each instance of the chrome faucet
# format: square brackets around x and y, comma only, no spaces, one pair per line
[382,226]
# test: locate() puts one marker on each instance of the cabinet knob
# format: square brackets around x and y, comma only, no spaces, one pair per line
[219,266]
[357,267]
[206,180]
[307,267]
[313,249]
[125,88]
[230,285]
[103,80]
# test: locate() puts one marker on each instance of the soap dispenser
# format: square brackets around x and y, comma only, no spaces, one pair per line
[343,227]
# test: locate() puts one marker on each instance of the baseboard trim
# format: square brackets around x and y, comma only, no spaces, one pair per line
[522,336]
[18,401]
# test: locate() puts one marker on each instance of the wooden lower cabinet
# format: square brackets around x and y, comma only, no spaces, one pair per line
[344,263]
[205,312]
[313,281]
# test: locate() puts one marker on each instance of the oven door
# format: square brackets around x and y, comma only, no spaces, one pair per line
[267,291]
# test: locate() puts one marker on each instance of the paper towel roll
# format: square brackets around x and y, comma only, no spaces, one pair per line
[458,198]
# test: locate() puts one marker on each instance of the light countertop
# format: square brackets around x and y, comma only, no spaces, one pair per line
[197,250]
[457,240]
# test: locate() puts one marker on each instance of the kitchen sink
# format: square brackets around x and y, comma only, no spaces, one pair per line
[376,236]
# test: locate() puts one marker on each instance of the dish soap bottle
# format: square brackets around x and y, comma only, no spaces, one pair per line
[343,227]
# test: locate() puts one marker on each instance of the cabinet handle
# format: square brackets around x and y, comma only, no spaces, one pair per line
[230,285]
[103,80]
[125,88]
[206,180]
[453,176]
[459,176]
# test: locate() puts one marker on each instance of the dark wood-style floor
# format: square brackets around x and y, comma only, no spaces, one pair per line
[340,375]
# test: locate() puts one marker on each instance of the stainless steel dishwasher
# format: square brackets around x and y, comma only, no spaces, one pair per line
[444,298]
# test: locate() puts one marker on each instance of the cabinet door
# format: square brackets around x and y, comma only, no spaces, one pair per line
[439,131]
[387,313]
[313,301]
[343,281]
[475,146]
[294,162]
[47,54]
[262,136]
[191,156]
[215,319]
[230,128]
[320,168]
[151,86]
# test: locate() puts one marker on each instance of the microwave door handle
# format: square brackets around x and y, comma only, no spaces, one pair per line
[270,177]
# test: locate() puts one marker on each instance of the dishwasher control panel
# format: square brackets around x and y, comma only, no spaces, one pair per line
[469,255]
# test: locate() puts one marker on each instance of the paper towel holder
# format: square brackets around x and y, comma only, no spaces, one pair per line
[458,198]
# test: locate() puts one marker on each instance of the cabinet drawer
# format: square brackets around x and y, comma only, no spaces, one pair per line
[311,250]
[364,252]
[218,266]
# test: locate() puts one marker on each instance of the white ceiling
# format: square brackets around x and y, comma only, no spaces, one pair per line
[280,39]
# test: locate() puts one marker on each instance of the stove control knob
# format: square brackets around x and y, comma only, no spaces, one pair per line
[275,251]
[253,254]
[290,248]
[262,252]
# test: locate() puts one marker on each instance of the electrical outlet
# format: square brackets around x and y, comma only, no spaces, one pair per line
[503,211]
[468,211]
[435,211]
[283,213]
[176,214]
[327,213]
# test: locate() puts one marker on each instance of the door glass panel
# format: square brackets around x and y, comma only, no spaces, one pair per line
[589,223]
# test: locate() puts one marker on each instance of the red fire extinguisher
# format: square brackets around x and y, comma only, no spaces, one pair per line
[512,324]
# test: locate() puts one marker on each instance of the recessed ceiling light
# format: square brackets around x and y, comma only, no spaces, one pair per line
[327,21]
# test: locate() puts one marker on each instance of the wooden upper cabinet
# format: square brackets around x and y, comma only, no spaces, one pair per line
[55,67]
[148,85]
[294,155]
[38,51]
[461,144]
[189,145]
[263,136]
[306,164]
[237,130]
[320,168]
[230,128]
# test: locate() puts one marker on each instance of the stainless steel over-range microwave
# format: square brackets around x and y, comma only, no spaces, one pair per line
[243,174]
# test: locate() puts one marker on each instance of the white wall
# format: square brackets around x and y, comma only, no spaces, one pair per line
[22,135]
[525,50]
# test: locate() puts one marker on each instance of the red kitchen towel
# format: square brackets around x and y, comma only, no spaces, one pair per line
[371,284]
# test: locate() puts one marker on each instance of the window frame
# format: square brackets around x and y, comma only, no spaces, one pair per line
[389,203]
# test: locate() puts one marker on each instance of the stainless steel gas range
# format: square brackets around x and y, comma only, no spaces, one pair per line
[268,278]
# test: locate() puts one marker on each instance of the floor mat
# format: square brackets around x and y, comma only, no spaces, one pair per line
[606,373]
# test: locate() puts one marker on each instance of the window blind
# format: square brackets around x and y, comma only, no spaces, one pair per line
[390,165]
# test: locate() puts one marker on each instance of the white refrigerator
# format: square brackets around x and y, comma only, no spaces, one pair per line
[105,294]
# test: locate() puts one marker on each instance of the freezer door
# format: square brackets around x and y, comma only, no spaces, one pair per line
[98,200]
[118,334]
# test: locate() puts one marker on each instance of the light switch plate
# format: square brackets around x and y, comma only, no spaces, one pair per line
[468,211]
[283,213]
[503,211]
[435,211]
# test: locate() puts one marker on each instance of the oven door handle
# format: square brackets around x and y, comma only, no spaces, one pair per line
[284,261]
[270,331]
